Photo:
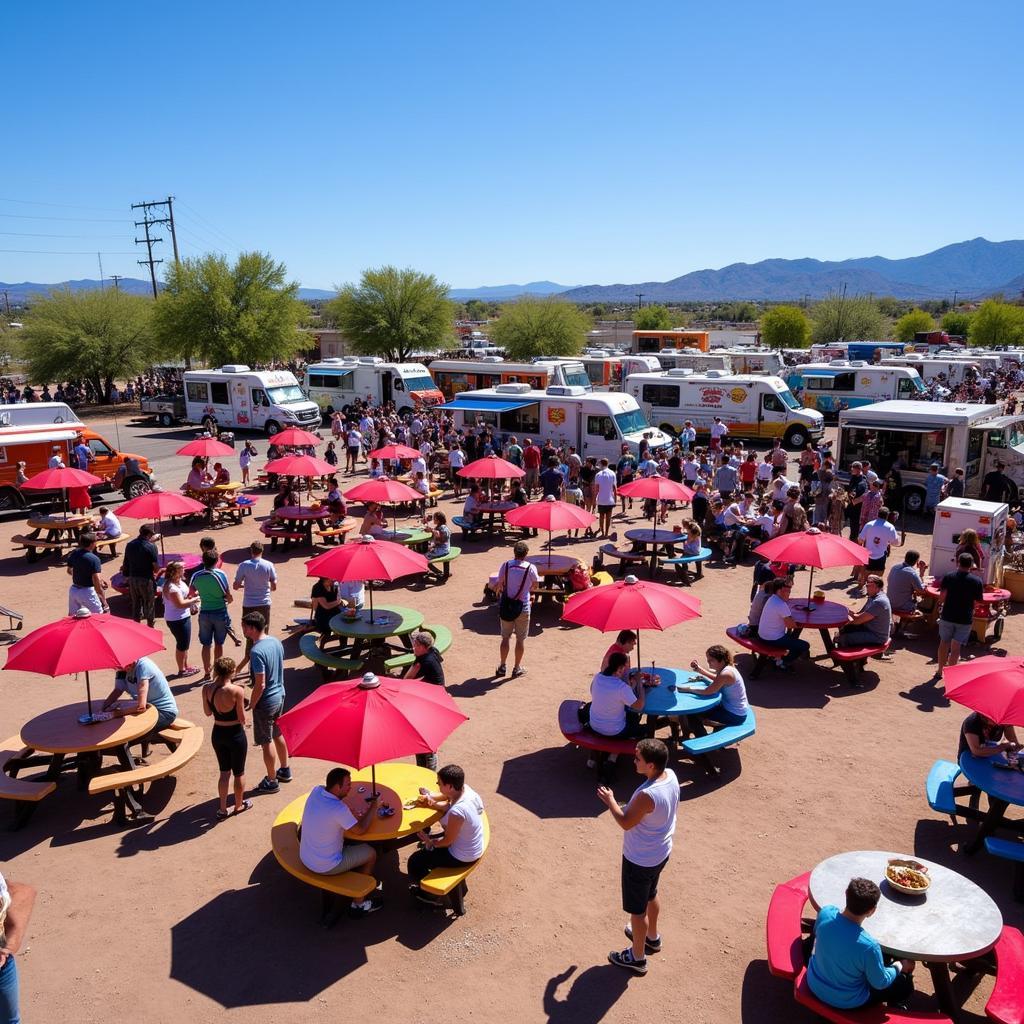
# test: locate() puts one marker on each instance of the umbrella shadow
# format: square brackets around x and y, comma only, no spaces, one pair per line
[483,620]
[551,783]
[478,686]
[698,782]
[590,998]
[181,827]
[774,689]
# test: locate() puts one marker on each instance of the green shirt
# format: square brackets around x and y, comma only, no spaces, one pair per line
[211,585]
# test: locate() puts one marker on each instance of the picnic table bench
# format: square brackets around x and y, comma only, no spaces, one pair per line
[276,533]
[468,526]
[442,641]
[852,659]
[24,792]
[764,652]
[625,557]
[1012,850]
[32,545]
[445,563]
[584,737]
[451,881]
[332,664]
[331,534]
[722,737]
[682,563]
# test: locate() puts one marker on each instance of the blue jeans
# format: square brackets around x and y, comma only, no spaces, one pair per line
[10,1012]
[796,647]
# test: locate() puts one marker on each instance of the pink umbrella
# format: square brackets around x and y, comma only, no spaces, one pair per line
[551,515]
[994,686]
[61,479]
[301,465]
[158,504]
[295,437]
[659,488]
[384,492]
[490,467]
[815,549]
[395,451]
[206,448]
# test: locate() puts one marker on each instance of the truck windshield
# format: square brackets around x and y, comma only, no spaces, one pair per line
[286,395]
[631,422]
[579,379]
[786,396]
[419,384]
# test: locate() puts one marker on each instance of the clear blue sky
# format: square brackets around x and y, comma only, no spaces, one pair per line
[579,142]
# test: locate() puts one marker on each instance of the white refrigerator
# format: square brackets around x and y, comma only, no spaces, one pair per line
[952,517]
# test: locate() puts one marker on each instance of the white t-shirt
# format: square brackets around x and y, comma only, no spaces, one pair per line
[877,537]
[609,696]
[456,458]
[418,466]
[772,625]
[605,481]
[172,613]
[719,430]
[469,843]
[519,579]
[353,439]
[764,471]
[110,524]
[324,822]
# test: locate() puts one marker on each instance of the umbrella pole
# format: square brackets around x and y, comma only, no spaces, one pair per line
[810,585]
[373,781]
[370,584]
[64,501]
[160,530]
[88,693]
[549,548]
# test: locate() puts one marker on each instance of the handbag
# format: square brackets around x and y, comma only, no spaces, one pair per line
[510,608]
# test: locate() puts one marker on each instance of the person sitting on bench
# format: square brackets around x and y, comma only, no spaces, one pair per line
[776,625]
[440,535]
[846,968]
[723,677]
[625,642]
[906,585]
[615,704]
[870,626]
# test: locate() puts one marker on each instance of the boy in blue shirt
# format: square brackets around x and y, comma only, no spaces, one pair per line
[846,969]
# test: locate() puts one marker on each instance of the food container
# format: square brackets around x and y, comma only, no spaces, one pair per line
[907,876]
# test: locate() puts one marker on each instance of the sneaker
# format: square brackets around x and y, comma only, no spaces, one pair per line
[366,907]
[650,945]
[284,775]
[625,959]
[268,786]
[502,669]
[781,665]
[517,672]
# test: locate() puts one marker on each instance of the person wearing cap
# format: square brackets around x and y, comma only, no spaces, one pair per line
[956,486]
[87,583]
[934,483]
[139,568]
[870,626]
[56,461]
[688,436]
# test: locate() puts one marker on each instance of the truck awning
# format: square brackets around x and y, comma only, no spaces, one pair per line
[460,403]
[46,435]
[920,428]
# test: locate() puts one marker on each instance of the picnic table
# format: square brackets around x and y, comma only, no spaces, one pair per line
[822,616]
[369,641]
[301,519]
[1003,786]
[664,701]
[415,539]
[494,513]
[991,610]
[61,532]
[554,574]
[954,921]
[656,542]
[219,499]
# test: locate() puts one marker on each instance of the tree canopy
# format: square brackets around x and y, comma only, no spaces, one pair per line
[98,336]
[997,323]
[785,327]
[957,323]
[540,327]
[394,313]
[910,323]
[245,313]
[838,318]
[652,318]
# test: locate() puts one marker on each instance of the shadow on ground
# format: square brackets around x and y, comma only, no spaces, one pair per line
[589,997]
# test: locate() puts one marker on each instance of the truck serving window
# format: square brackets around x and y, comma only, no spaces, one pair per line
[331,381]
[219,393]
[665,395]
[197,391]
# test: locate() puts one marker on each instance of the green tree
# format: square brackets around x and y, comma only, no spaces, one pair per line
[395,313]
[910,323]
[785,327]
[476,309]
[246,313]
[957,323]
[540,327]
[653,318]
[101,336]
[838,318]
[997,323]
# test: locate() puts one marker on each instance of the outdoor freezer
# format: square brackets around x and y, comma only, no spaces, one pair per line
[952,517]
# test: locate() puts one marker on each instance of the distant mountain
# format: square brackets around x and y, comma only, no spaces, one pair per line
[18,293]
[508,291]
[973,268]
[315,293]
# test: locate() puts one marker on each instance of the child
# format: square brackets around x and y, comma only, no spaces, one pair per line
[245,460]
[221,475]
[692,544]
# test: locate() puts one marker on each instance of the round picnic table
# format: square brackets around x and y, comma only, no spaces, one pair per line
[655,541]
[369,641]
[992,608]
[1002,785]
[664,699]
[60,531]
[823,616]
[494,512]
[301,519]
[553,565]
[414,539]
[954,920]
[398,784]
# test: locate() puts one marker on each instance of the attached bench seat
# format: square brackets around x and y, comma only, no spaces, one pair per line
[451,881]
[444,561]
[726,736]
[1006,1004]
[442,641]
[764,651]
[23,542]
[681,563]
[330,534]
[939,788]
[624,556]
[784,927]
[25,792]
[276,533]
[587,739]
[852,659]
[1012,850]
[284,841]
[467,526]
[868,1015]
[331,665]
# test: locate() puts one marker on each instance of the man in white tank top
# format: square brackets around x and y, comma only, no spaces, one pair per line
[649,822]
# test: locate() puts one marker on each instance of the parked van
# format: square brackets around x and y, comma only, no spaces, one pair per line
[913,435]
[655,341]
[869,351]
[695,360]
[598,423]
[454,376]
[336,383]
[35,444]
[750,406]
[609,370]
[832,387]
[756,360]
[236,397]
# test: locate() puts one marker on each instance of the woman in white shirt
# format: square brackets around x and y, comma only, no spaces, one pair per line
[178,615]
[109,525]
[614,704]
[723,677]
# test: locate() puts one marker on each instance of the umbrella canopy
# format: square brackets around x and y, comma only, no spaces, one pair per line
[551,515]
[81,642]
[301,465]
[658,487]
[815,549]
[491,468]
[295,437]
[361,722]
[206,447]
[994,686]
[382,490]
[395,451]
[157,504]
[61,479]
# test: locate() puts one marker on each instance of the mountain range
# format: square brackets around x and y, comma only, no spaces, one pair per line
[508,291]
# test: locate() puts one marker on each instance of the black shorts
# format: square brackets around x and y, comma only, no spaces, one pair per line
[230,744]
[877,564]
[639,885]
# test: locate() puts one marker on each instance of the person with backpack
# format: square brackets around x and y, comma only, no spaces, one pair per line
[516,578]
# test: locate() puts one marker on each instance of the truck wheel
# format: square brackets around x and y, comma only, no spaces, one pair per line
[135,486]
[796,438]
[208,424]
[165,419]
[10,498]
[913,500]
[272,427]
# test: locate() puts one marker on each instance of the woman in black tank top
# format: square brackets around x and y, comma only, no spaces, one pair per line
[225,702]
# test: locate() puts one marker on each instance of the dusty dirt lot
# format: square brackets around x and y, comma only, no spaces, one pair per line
[192,919]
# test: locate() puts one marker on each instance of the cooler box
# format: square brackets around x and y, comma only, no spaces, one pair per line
[952,517]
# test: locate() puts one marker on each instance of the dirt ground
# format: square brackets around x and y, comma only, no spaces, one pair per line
[192,919]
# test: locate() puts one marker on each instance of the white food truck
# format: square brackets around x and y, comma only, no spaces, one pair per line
[236,397]
[842,384]
[598,423]
[952,364]
[749,405]
[335,383]
[913,435]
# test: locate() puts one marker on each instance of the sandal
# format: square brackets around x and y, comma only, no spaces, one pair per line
[246,804]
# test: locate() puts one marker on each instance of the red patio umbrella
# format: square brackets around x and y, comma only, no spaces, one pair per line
[61,479]
[631,604]
[307,466]
[657,487]
[814,549]
[157,504]
[362,722]
[994,686]
[296,437]
[82,642]
[367,560]
[490,467]
[384,492]
[551,515]
[395,451]
[206,448]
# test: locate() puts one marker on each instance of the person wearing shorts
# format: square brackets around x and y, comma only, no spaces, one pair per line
[605,491]
[959,591]
[267,700]
[224,700]
[516,579]
[322,846]
[649,823]
[210,584]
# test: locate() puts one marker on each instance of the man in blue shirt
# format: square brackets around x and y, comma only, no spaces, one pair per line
[146,685]
[256,578]
[267,665]
[846,969]
[934,482]
[83,454]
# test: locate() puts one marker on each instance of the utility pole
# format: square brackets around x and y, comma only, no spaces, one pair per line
[954,298]
[149,261]
[639,299]
[115,278]
[99,260]
[7,304]
[148,220]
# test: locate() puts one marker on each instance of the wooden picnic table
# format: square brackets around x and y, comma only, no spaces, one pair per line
[822,616]
[655,541]
[61,532]
[369,641]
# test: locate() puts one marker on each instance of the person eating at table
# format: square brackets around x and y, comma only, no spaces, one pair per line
[846,969]
[870,626]
[723,677]
[905,585]
[625,643]
[108,525]
[373,522]
[221,475]
[776,625]
[146,685]
[615,705]
[471,507]
[440,535]
[322,846]
[984,738]
[198,478]
[323,603]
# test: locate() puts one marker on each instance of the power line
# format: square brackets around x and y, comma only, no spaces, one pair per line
[86,220]
[195,213]
[68,252]
[42,234]
[62,206]
[147,222]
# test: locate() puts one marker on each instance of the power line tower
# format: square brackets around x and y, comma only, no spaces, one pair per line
[149,220]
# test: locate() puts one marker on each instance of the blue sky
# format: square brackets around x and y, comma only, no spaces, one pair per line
[579,142]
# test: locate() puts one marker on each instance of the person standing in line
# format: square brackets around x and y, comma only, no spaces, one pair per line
[606,492]
[959,592]
[257,579]
[531,463]
[649,823]
[16,902]
[718,431]
[245,461]
[178,611]
[140,565]
[516,578]
[210,584]
[267,700]
[87,582]
[225,701]
[352,442]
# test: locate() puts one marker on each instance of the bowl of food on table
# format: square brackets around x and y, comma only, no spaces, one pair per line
[909,877]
